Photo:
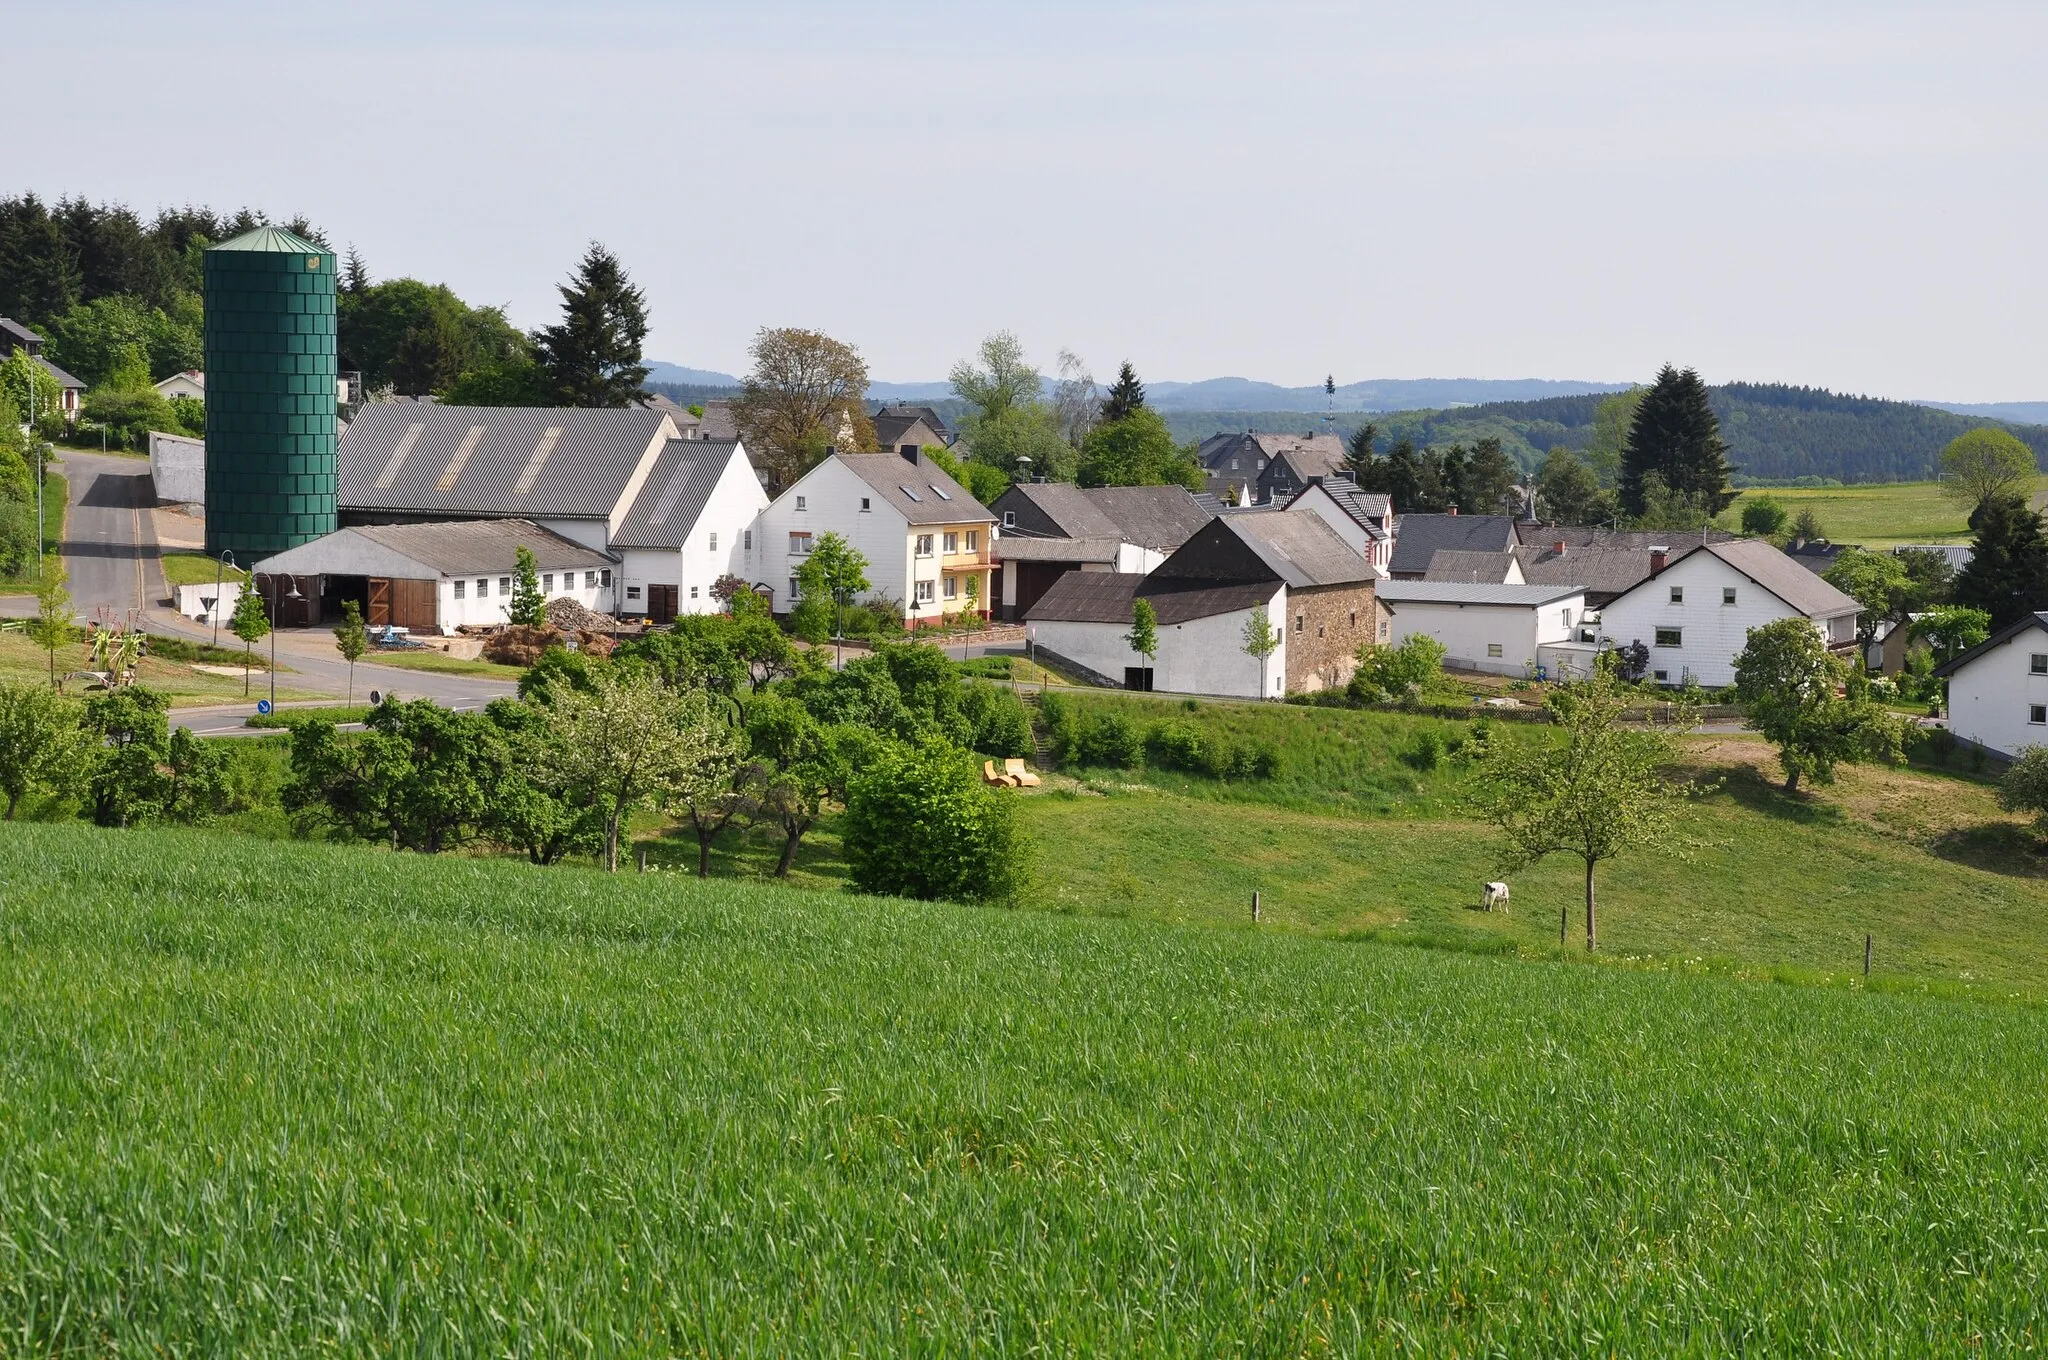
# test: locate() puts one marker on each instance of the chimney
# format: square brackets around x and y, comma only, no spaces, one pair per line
[1558,547]
[1454,509]
[909,452]
[1660,557]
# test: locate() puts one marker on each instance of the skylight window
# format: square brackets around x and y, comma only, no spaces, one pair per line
[912,494]
[940,494]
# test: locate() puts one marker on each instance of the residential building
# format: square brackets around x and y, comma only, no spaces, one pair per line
[15,336]
[430,577]
[190,383]
[1695,611]
[909,428]
[686,421]
[1051,528]
[1998,690]
[1318,594]
[1499,628]
[1474,568]
[1363,519]
[924,536]
[1815,554]
[1418,538]
[1262,467]
[619,482]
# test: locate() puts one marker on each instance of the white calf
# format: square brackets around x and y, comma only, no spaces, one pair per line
[1494,894]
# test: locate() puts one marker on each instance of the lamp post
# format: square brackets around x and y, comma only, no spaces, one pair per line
[273,630]
[227,555]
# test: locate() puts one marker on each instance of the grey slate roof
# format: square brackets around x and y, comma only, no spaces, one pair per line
[1397,593]
[1158,517]
[1301,549]
[1450,565]
[1783,577]
[1024,548]
[718,421]
[509,461]
[932,497]
[1068,506]
[1420,537]
[1816,555]
[1107,597]
[471,547]
[63,379]
[22,334]
[1532,534]
[674,494]
[1602,571]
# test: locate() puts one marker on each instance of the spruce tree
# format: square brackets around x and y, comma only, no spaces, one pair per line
[355,275]
[1126,395]
[2007,576]
[1676,436]
[593,357]
[1358,451]
[1486,484]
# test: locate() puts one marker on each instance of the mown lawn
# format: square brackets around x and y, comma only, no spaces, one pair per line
[283,1098]
[441,663]
[196,569]
[21,661]
[1876,515]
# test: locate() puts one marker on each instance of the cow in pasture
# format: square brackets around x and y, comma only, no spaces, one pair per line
[1493,895]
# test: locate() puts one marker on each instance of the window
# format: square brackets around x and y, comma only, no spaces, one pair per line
[1727,594]
[693,592]
[799,543]
[936,492]
[1678,594]
[547,581]
[2037,713]
[792,588]
[1233,465]
[1493,649]
[866,505]
[1660,676]
[483,588]
[1299,620]
[952,587]
[1669,637]
[714,542]
[632,592]
[604,578]
[1319,630]
[912,494]
[799,502]
[952,543]
[974,540]
[924,545]
[924,592]
[504,585]
[2040,663]
[1383,630]
[458,588]
[590,580]
[747,540]
[1009,519]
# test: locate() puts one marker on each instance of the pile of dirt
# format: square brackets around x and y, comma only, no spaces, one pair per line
[516,645]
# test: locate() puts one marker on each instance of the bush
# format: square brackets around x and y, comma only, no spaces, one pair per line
[1109,739]
[1001,726]
[2025,786]
[920,823]
[1428,751]
[1062,733]
[1410,673]
[1180,745]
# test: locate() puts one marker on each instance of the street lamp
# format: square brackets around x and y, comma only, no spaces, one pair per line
[273,630]
[220,570]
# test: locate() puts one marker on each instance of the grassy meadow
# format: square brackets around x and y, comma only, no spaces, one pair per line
[279,1098]
[196,569]
[22,661]
[1876,515]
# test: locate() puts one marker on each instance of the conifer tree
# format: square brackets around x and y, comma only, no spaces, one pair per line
[1126,395]
[1358,451]
[2007,576]
[1486,483]
[593,357]
[1676,436]
[355,275]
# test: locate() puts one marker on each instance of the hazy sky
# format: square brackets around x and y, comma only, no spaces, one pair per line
[1848,195]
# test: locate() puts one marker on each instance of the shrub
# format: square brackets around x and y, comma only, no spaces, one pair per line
[1179,745]
[1062,731]
[1111,740]
[920,823]
[1409,673]
[1428,750]
[1001,726]
[2025,786]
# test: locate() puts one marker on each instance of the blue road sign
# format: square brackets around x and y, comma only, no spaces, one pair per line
[263,706]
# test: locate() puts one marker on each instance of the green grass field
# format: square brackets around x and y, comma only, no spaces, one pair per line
[21,661]
[1877,515]
[195,569]
[441,663]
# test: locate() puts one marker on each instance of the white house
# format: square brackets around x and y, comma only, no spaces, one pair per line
[1485,626]
[691,523]
[1363,519]
[1051,528]
[432,577]
[1694,613]
[924,536]
[190,383]
[1998,690]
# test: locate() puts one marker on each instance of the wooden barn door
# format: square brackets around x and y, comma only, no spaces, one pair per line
[661,603]
[380,601]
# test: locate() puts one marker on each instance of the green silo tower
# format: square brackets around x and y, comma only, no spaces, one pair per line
[270,371]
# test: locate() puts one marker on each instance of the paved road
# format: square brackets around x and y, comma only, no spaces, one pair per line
[111,552]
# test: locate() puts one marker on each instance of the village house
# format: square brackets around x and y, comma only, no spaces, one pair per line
[1317,594]
[16,337]
[929,544]
[1418,538]
[1998,690]
[190,383]
[1695,611]
[1494,627]
[1253,467]
[1363,519]
[1051,528]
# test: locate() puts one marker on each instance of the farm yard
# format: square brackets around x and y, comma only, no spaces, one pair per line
[473,1106]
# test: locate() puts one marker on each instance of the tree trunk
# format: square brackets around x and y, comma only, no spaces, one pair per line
[1592,937]
[704,852]
[1791,779]
[13,800]
[611,841]
[790,836]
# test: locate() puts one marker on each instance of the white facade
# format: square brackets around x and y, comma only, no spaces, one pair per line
[183,385]
[1999,698]
[487,599]
[722,542]
[1695,618]
[191,600]
[177,468]
[1315,500]
[1200,656]
[1500,639]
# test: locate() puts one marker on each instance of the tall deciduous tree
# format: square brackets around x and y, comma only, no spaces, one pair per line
[1676,436]
[1787,683]
[1075,405]
[592,357]
[1609,440]
[42,749]
[2007,574]
[1126,395]
[1138,450]
[1567,492]
[805,393]
[1876,581]
[1986,464]
[250,624]
[1597,793]
[998,379]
